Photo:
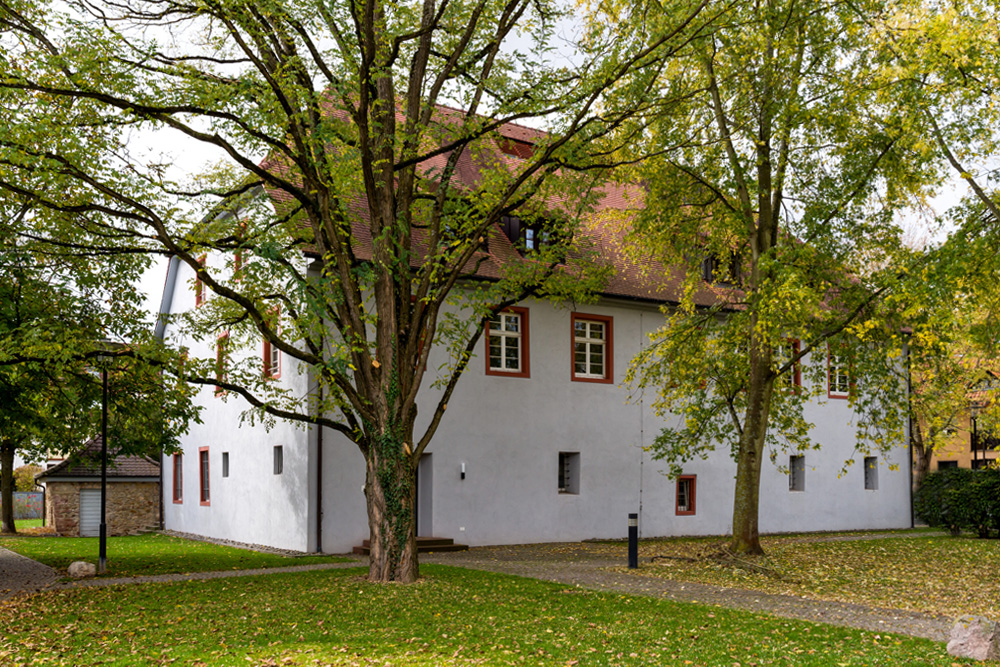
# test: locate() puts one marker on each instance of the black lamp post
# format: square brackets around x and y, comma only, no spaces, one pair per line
[102,560]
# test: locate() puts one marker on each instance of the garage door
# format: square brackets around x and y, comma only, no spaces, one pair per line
[90,512]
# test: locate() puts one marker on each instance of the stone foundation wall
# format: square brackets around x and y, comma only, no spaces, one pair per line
[132,507]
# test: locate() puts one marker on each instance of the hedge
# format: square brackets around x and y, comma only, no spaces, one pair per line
[960,499]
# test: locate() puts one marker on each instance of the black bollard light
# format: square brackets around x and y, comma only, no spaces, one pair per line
[633,541]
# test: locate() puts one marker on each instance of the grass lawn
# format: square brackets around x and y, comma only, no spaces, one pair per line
[151,554]
[23,524]
[452,617]
[943,575]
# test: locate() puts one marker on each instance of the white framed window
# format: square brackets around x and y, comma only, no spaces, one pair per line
[225,464]
[838,375]
[279,459]
[871,473]
[507,343]
[796,472]
[791,380]
[592,338]
[201,293]
[272,361]
[221,361]
[272,355]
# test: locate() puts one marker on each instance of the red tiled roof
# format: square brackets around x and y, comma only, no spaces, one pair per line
[87,463]
[633,277]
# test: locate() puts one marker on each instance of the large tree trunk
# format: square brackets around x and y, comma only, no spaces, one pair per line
[746,535]
[746,502]
[390,495]
[7,486]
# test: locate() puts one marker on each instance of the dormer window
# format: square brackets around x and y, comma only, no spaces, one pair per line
[528,237]
[715,270]
[516,148]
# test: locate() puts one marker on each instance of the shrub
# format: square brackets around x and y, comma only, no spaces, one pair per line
[960,499]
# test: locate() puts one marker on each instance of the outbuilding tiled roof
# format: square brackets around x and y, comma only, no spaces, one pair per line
[87,463]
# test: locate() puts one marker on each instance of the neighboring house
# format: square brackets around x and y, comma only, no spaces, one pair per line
[73,493]
[538,443]
[971,444]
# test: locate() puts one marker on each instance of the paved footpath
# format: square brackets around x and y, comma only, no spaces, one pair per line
[575,564]
[19,574]
[580,564]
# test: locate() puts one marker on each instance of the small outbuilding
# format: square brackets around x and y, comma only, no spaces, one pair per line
[73,493]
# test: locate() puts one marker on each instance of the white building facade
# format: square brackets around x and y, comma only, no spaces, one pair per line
[535,449]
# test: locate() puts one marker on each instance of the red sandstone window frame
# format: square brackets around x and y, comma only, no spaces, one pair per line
[691,481]
[199,286]
[272,361]
[221,361]
[791,383]
[271,354]
[842,366]
[178,481]
[523,349]
[608,322]
[204,493]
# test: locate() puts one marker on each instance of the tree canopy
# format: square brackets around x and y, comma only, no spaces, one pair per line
[52,326]
[779,163]
[367,152]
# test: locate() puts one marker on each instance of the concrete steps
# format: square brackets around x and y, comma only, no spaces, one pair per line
[424,545]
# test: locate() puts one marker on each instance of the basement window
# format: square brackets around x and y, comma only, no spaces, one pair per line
[871,473]
[796,473]
[569,472]
[685,495]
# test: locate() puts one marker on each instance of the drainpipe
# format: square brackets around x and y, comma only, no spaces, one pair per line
[319,440]
[160,494]
[319,472]
[909,423]
[160,332]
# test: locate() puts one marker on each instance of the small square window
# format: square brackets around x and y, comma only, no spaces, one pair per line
[686,495]
[796,473]
[225,464]
[871,473]
[279,462]
[569,472]
[944,465]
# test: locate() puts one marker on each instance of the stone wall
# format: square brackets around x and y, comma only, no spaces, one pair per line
[132,507]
